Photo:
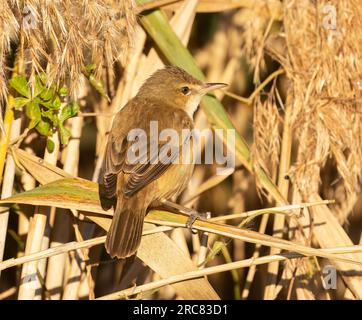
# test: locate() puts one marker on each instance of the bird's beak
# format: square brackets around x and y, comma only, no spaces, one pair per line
[207,87]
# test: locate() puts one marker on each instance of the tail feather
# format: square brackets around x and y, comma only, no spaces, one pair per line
[134,241]
[124,235]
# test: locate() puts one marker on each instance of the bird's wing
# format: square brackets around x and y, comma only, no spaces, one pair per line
[140,175]
[118,147]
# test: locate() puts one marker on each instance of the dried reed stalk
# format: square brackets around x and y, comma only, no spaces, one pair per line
[323,108]
[325,115]
[62,222]
[28,183]
[64,248]
[256,254]
[11,131]
[7,186]
[283,184]
[38,238]
[124,294]
[29,281]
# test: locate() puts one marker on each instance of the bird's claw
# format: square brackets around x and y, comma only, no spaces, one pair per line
[192,218]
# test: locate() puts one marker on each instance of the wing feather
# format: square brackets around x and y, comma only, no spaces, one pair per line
[140,174]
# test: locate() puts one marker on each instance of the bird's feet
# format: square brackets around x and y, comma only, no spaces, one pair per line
[193,216]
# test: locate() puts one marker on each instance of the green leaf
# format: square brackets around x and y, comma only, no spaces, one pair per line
[42,77]
[20,84]
[69,111]
[56,103]
[33,113]
[20,102]
[50,145]
[39,86]
[89,68]
[98,85]
[46,104]
[32,124]
[53,104]
[43,127]
[49,114]
[64,134]
[63,91]
[48,94]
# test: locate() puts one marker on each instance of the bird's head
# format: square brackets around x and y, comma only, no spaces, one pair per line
[174,86]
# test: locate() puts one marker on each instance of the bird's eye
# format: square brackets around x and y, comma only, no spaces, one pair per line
[185,90]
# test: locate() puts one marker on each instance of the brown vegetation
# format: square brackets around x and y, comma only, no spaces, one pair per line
[299,63]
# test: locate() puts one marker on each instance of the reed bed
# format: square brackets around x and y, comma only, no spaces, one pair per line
[285,224]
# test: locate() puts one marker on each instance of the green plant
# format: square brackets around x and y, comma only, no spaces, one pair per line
[46,106]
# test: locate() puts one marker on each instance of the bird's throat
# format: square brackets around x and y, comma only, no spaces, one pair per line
[192,104]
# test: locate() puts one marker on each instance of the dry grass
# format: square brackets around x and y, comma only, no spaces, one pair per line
[58,41]
[294,71]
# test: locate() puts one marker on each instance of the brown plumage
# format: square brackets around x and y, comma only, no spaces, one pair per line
[169,97]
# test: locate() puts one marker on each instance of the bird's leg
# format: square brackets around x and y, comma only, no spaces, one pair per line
[193,214]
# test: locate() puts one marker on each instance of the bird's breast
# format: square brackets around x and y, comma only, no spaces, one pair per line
[175,179]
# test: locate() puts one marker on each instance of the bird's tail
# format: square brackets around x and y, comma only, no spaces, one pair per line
[124,235]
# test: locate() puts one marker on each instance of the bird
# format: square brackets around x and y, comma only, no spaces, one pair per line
[169,97]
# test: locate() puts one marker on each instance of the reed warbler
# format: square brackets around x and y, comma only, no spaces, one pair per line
[169,97]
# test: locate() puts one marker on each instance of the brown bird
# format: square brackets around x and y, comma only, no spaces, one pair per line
[170,97]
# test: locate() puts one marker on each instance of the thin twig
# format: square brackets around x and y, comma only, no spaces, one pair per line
[280,210]
[250,99]
[95,114]
[16,142]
